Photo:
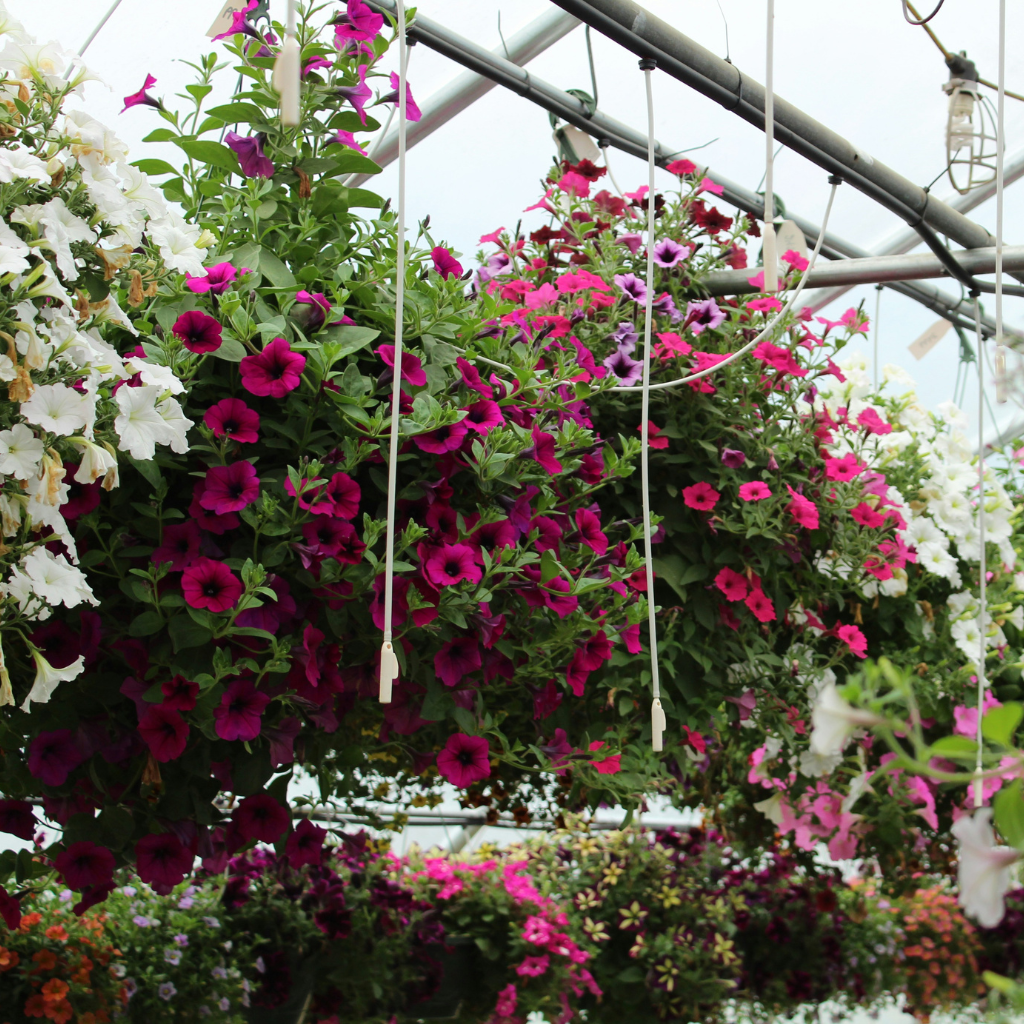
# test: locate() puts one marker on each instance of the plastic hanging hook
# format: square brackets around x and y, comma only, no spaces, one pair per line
[388,670]
[658,725]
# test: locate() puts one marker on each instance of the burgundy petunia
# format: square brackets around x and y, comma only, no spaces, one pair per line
[471,378]
[484,416]
[444,439]
[450,564]
[491,537]
[249,150]
[239,714]
[588,658]
[52,756]
[549,533]
[544,451]
[457,658]
[444,262]
[231,417]
[218,280]
[230,488]
[85,864]
[591,533]
[305,844]
[16,817]
[274,372]
[10,909]
[211,585]
[165,732]
[198,332]
[179,693]
[464,760]
[344,494]
[412,367]
[310,310]
[180,546]
[208,520]
[261,817]
[57,642]
[333,538]
[162,861]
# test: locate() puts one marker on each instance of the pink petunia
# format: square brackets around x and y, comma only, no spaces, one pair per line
[162,861]
[444,439]
[219,278]
[464,760]
[760,605]
[240,712]
[484,416]
[274,372]
[232,418]
[455,659]
[211,585]
[262,818]
[681,167]
[731,583]
[867,516]
[707,185]
[766,305]
[412,368]
[873,423]
[450,564]
[701,496]
[844,469]
[544,451]
[608,765]
[854,639]
[802,510]
[230,488]
[795,260]
[653,438]
[755,490]
[445,263]
[591,533]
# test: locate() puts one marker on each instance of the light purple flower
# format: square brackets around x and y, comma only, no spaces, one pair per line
[181,939]
[625,337]
[130,987]
[632,287]
[669,253]
[260,965]
[631,242]
[167,991]
[733,458]
[172,956]
[704,315]
[65,896]
[251,158]
[129,890]
[185,903]
[219,972]
[224,1004]
[628,371]
[664,306]
[211,922]
[141,921]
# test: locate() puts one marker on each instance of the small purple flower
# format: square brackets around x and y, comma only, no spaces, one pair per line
[186,903]
[211,922]
[140,921]
[129,890]
[65,896]
[632,242]
[219,972]
[733,458]
[172,956]
[664,306]
[181,939]
[224,1004]
[260,965]
[668,253]
[625,337]
[704,315]
[167,991]
[628,371]
[632,287]
[250,155]
[130,987]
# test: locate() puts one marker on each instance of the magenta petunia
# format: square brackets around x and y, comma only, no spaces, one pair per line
[471,378]
[239,714]
[484,416]
[445,263]
[219,278]
[412,368]
[444,439]
[596,650]
[844,469]
[733,458]
[701,496]
[240,23]
[492,538]
[251,158]
[165,732]
[231,417]
[854,639]
[455,659]
[867,516]
[230,488]
[755,490]
[179,546]
[464,760]
[274,372]
[310,310]
[162,861]
[142,97]
[344,494]
[359,22]
[179,693]
[17,819]
[549,533]
[214,524]
[412,110]
[305,844]
[57,643]
[84,864]
[733,584]
[449,564]
[591,533]
[198,332]
[873,423]
[608,765]
[803,511]
[349,141]
[359,93]
[52,756]
[760,604]
[544,451]
[212,585]
[262,818]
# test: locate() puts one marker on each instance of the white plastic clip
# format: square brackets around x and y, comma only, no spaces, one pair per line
[287,77]
[658,724]
[388,670]
[770,253]
[1002,391]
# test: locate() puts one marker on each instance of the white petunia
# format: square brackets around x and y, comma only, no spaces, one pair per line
[10,25]
[771,808]
[983,872]
[93,144]
[56,580]
[61,227]
[48,678]
[48,286]
[921,530]
[155,374]
[177,243]
[59,409]
[935,559]
[966,634]
[20,452]
[19,162]
[139,424]
[177,424]
[814,765]
[29,60]
[962,604]
[1016,617]
[12,262]
[108,311]
[953,512]
[95,462]
[137,188]
[835,721]
[952,414]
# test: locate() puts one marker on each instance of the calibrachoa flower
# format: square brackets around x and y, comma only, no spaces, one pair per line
[755,490]
[231,417]
[230,488]
[198,332]
[261,817]
[239,714]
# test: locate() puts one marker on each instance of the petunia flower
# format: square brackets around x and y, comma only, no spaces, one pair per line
[347,139]
[755,490]
[802,510]
[198,332]
[219,278]
[240,712]
[143,97]
[230,488]
[450,564]
[239,23]
[412,111]
[484,416]
[632,287]
[873,423]
[626,370]
[412,367]
[464,760]
[310,310]
[608,765]
[867,516]
[844,469]
[760,605]
[654,440]
[211,585]
[444,439]
[703,315]
[85,864]
[591,534]
[470,377]
[544,451]
[262,818]
[232,418]
[251,158]
[854,639]
[681,167]
[795,260]
[631,241]
[664,305]
[455,659]
[17,819]
[669,253]
[445,263]
[162,861]
[179,546]
[359,23]
[164,731]
[731,583]
[983,871]
[305,844]
[274,372]
[179,693]
[733,458]
[835,721]
[707,185]
[52,756]
[589,657]
[357,94]
[701,496]
[764,305]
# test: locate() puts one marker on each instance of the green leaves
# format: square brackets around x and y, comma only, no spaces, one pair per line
[151,166]
[1009,813]
[274,270]
[185,632]
[349,339]
[213,154]
[232,113]
[999,724]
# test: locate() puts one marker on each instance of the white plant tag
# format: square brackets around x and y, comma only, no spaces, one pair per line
[223,20]
[931,337]
[790,238]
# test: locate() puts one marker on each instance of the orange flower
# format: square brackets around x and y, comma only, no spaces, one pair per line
[55,990]
[60,1013]
[8,958]
[35,1007]
[56,931]
[45,958]
[28,920]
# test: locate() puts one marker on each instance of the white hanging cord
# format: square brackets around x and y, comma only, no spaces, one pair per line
[388,658]
[608,167]
[878,310]
[982,603]
[768,247]
[765,331]
[658,721]
[99,28]
[1000,357]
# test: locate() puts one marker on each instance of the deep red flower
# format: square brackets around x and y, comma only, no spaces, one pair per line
[162,861]
[274,372]
[165,732]
[218,280]
[544,451]
[52,756]
[212,585]
[198,332]
[16,817]
[85,864]
[412,367]
[344,494]
[10,909]
[455,659]
[179,693]
[180,546]
[464,760]
[261,817]
[305,844]
[231,417]
[230,488]
[239,714]
[444,439]
[591,469]
[57,642]
[450,564]
[208,520]
[591,533]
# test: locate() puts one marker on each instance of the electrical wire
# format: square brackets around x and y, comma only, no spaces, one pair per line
[590,58]
[982,602]
[920,21]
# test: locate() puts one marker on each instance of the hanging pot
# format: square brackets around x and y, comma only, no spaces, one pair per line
[456,957]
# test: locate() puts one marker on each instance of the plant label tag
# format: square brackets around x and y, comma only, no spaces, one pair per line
[388,671]
[920,348]
[789,238]
[658,725]
[223,20]
[581,143]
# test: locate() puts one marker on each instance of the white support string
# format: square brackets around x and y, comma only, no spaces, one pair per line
[982,603]
[388,658]
[1000,357]
[658,721]
[874,333]
[99,27]
[768,247]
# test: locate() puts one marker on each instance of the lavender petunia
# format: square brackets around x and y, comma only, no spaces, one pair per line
[625,337]
[664,306]
[704,315]
[632,287]
[627,371]
[669,253]
[250,155]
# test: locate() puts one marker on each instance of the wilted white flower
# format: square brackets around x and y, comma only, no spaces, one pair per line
[984,869]
[95,462]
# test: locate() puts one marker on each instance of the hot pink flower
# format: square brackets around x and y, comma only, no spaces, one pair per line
[211,585]
[198,332]
[873,423]
[85,864]
[795,260]
[803,510]
[760,605]
[305,844]
[608,765]
[544,451]
[464,760]
[262,818]
[674,344]
[179,547]
[471,378]
[455,659]
[412,111]
[695,740]
[631,638]
[966,719]
[231,417]
[239,716]
[707,185]
[450,564]
[681,167]
[207,520]
[412,368]
[445,263]
[274,372]
[732,584]
[854,639]
[484,416]
[843,469]
[591,533]
[219,278]
[755,490]
[653,439]
[349,141]
[142,96]
[533,966]
[444,439]
[161,861]
[165,732]
[701,496]
[507,998]
[765,305]
[867,516]
[230,488]
[359,22]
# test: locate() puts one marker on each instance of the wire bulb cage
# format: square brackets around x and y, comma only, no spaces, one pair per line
[971,140]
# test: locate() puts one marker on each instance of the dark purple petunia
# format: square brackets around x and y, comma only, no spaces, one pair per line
[484,416]
[162,861]
[261,817]
[179,547]
[57,643]
[310,310]
[85,864]
[10,909]
[239,716]
[230,488]
[251,158]
[212,585]
[16,818]
[444,439]
[274,372]
[164,731]
[305,844]
[281,738]
[464,760]
[198,332]
[444,262]
[455,659]
[231,417]
[52,756]
[627,371]
[591,533]
[179,693]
